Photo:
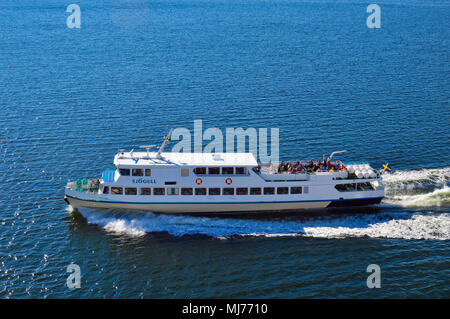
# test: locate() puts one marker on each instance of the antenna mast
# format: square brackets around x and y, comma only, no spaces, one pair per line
[163,145]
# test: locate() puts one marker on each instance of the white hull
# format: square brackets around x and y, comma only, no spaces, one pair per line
[202,207]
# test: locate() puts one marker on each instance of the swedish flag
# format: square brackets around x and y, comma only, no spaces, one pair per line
[385,168]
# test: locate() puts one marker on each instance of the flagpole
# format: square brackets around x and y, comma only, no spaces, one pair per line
[163,145]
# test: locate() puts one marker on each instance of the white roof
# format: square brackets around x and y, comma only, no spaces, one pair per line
[185,159]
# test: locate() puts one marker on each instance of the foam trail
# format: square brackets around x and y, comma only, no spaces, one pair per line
[439,197]
[417,227]
[404,225]
[418,188]
[418,177]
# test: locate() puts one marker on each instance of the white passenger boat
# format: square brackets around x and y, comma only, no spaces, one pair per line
[166,182]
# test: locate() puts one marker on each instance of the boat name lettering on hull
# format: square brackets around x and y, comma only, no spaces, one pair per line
[144,181]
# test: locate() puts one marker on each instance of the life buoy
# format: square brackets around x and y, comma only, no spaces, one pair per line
[228,181]
[198,181]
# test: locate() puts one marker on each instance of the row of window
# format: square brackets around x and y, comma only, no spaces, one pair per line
[135,172]
[185,171]
[351,187]
[220,170]
[205,191]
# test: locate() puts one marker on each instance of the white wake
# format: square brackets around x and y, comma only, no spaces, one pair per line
[435,226]
[418,188]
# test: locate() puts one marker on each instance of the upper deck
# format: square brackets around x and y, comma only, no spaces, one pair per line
[184,159]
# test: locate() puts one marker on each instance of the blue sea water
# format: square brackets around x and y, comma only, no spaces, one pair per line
[70,98]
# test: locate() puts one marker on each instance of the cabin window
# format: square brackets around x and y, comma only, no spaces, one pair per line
[130,191]
[240,170]
[159,191]
[228,191]
[124,171]
[227,170]
[242,191]
[117,190]
[296,190]
[200,170]
[352,187]
[137,172]
[365,187]
[185,172]
[214,170]
[368,186]
[200,191]
[105,190]
[186,191]
[269,190]
[255,191]
[148,172]
[172,191]
[146,191]
[282,190]
[213,191]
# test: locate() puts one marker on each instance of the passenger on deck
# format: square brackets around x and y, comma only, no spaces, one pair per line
[299,167]
[291,170]
[288,166]
[281,167]
[316,166]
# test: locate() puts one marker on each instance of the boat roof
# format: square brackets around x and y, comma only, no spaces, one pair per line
[184,159]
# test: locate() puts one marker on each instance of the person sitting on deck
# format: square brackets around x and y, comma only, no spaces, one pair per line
[316,166]
[288,166]
[291,170]
[342,167]
[295,165]
[281,167]
[299,167]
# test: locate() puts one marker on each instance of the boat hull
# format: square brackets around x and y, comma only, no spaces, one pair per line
[222,207]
